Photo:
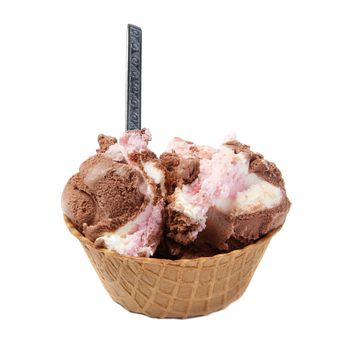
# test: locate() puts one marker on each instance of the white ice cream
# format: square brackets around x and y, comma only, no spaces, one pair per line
[156,174]
[259,195]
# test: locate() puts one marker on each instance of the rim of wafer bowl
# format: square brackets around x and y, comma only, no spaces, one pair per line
[87,242]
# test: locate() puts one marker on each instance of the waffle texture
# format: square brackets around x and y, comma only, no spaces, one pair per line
[180,288]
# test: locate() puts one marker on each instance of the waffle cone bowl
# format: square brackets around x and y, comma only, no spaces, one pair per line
[174,288]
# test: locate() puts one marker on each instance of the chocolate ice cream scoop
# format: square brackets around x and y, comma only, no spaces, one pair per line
[116,198]
[236,197]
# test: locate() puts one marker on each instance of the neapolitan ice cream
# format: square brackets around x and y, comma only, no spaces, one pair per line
[116,198]
[191,201]
[234,196]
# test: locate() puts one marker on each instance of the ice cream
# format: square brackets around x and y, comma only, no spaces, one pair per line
[116,198]
[233,197]
[191,201]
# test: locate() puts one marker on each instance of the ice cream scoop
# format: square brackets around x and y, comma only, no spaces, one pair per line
[116,198]
[195,200]
[233,197]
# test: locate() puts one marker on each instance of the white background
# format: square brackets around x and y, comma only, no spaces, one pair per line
[286,76]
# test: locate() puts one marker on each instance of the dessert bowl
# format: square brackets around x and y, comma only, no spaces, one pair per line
[182,288]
